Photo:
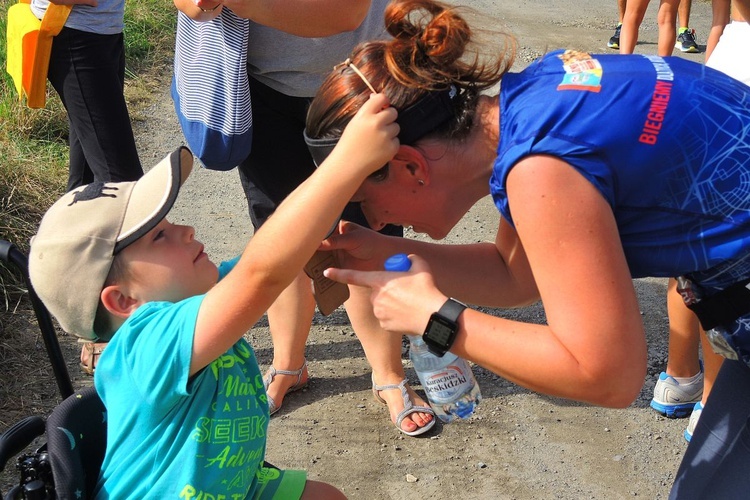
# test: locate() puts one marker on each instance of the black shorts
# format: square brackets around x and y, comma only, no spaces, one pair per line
[279,160]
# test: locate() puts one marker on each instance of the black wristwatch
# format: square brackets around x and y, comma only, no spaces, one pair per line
[442,328]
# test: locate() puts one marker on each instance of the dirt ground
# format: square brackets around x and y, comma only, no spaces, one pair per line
[518,444]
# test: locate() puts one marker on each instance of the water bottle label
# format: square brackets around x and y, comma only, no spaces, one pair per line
[447,384]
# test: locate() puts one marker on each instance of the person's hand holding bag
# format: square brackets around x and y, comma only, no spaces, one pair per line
[92,3]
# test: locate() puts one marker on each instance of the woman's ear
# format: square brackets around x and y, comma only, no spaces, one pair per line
[414,164]
[117,302]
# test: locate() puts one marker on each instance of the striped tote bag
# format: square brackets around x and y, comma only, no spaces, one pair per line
[210,88]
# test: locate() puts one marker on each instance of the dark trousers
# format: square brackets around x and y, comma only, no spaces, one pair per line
[717,461]
[88,72]
[279,160]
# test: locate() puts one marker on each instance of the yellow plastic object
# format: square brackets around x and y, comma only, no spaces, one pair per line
[29,47]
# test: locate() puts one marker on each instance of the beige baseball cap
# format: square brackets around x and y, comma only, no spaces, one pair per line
[79,236]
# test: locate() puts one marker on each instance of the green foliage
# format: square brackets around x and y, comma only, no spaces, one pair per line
[149,33]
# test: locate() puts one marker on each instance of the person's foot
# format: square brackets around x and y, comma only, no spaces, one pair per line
[614,41]
[697,410]
[686,41]
[395,401]
[279,383]
[675,400]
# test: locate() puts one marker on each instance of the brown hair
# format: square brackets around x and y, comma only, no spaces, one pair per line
[433,48]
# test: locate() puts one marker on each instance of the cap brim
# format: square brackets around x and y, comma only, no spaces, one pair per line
[154,195]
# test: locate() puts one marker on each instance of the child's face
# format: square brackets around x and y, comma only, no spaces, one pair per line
[168,264]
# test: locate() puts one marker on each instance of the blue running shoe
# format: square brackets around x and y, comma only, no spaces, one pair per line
[674,400]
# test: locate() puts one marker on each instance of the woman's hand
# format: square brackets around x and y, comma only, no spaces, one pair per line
[200,10]
[402,301]
[303,18]
[208,5]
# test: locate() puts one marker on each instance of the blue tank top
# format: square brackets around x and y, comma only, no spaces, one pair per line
[665,140]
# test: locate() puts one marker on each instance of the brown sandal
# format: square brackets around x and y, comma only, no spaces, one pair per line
[90,355]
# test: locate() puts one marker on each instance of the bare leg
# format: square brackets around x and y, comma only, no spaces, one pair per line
[621,10]
[719,19]
[289,319]
[666,19]
[683,13]
[683,336]
[634,12]
[383,352]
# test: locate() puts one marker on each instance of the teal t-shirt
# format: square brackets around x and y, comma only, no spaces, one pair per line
[170,436]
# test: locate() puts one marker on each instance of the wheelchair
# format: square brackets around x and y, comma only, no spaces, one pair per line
[67,465]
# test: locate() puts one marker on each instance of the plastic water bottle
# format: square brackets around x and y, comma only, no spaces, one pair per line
[448,381]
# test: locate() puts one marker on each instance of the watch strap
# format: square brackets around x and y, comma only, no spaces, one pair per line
[452,309]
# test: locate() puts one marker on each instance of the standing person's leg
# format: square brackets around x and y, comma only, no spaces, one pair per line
[383,352]
[631,22]
[685,40]
[278,162]
[680,387]
[684,335]
[719,19]
[88,72]
[614,41]
[667,22]
[683,13]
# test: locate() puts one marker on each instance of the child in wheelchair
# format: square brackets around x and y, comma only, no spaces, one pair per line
[186,411]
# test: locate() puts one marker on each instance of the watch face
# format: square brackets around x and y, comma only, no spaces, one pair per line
[440,332]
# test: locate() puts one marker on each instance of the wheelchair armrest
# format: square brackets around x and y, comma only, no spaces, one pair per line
[18,437]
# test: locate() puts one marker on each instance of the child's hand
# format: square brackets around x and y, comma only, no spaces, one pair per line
[370,140]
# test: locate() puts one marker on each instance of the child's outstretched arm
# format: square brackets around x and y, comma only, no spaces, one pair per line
[279,249]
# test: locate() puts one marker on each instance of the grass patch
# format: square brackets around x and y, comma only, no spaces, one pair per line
[33,142]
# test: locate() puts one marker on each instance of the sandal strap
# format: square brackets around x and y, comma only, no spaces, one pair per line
[272,408]
[412,408]
[401,386]
[409,406]
[272,372]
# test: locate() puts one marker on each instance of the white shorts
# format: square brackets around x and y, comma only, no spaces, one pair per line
[730,54]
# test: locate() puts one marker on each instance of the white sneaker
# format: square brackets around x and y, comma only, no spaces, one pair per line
[675,400]
[697,410]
